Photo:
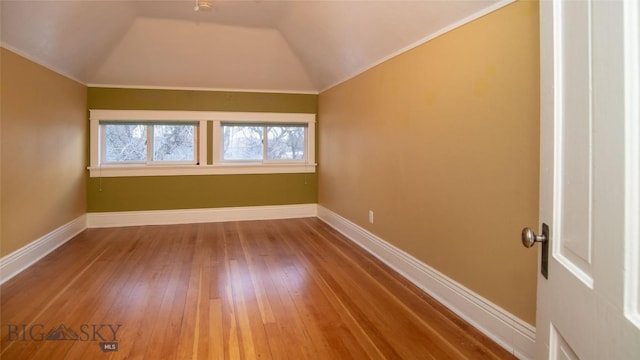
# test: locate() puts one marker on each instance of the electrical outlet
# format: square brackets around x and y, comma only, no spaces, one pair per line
[371,216]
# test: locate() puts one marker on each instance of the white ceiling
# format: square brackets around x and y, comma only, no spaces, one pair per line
[258,45]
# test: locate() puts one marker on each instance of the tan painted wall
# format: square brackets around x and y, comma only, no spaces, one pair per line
[441,143]
[44,134]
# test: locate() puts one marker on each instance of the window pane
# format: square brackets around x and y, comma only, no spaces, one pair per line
[242,142]
[125,143]
[173,142]
[285,142]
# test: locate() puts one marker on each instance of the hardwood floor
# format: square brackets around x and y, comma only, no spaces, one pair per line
[285,289]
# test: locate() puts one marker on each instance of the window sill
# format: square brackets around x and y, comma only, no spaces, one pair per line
[184,170]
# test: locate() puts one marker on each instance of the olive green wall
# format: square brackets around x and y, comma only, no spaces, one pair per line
[199,191]
[149,99]
[44,134]
[442,143]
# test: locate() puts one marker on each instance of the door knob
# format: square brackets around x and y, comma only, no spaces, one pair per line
[529,237]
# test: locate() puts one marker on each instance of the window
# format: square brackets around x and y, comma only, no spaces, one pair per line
[150,143]
[139,143]
[284,143]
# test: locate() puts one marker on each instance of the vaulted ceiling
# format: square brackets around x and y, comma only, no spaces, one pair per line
[258,45]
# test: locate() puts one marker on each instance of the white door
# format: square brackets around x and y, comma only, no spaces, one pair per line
[588,308]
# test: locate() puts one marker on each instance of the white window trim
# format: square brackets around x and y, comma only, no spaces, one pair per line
[96,169]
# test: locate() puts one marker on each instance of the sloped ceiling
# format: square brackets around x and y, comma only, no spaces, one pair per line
[256,45]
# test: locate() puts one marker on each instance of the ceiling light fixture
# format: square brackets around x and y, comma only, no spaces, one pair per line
[202,5]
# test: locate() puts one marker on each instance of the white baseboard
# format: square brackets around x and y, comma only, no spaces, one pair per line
[24,257]
[187,216]
[510,332]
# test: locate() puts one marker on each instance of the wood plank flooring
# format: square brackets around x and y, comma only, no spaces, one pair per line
[285,289]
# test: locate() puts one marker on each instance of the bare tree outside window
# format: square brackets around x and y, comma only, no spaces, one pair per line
[129,143]
[173,142]
[125,143]
[246,143]
[242,142]
[285,143]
